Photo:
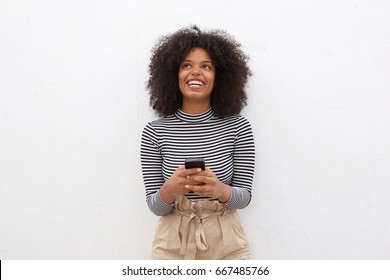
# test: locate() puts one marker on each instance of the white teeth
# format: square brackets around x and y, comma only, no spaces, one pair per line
[195,83]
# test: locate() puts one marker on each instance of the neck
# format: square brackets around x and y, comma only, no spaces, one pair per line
[195,108]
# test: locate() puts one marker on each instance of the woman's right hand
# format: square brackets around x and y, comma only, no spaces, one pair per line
[175,185]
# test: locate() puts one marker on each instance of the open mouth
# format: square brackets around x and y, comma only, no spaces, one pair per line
[195,83]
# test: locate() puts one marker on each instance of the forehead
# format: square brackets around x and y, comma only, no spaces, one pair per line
[198,54]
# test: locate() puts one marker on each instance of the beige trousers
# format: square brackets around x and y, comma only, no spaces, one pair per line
[200,230]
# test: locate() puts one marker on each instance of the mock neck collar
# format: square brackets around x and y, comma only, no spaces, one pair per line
[205,116]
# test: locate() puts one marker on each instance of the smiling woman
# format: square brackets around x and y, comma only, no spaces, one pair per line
[196,81]
[197,84]
[229,62]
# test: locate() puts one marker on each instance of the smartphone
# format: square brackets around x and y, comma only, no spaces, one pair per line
[194,163]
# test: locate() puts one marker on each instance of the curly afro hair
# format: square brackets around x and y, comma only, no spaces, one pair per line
[231,70]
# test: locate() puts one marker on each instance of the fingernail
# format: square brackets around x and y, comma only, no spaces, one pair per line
[199,169]
[187,186]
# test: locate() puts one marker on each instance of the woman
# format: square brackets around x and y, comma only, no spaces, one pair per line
[197,85]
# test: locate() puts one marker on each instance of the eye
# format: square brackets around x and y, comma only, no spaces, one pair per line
[206,66]
[186,66]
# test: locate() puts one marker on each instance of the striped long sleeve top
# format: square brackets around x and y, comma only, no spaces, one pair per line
[226,144]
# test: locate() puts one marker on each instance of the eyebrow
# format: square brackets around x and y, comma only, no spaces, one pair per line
[205,61]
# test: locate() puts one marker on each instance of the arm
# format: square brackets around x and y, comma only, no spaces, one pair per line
[161,193]
[151,161]
[244,166]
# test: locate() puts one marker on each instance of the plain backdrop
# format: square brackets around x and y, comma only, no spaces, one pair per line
[73,104]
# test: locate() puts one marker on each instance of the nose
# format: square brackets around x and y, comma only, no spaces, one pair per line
[195,71]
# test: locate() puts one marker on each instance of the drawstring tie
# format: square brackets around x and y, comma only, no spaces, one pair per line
[194,236]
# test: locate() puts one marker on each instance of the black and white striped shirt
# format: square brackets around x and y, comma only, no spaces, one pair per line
[226,144]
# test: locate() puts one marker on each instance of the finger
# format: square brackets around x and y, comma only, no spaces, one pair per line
[192,182]
[201,191]
[207,172]
[200,178]
[195,188]
[181,167]
[200,188]
[192,188]
[188,172]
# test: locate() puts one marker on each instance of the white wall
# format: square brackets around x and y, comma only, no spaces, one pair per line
[73,104]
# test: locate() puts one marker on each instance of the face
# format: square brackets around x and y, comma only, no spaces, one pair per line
[196,76]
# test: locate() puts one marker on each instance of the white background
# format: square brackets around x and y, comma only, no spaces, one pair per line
[73,104]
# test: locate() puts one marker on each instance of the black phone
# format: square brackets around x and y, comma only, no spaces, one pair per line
[194,163]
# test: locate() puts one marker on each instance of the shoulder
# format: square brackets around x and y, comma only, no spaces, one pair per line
[242,119]
[236,120]
[162,122]
[158,123]
[155,127]
[241,125]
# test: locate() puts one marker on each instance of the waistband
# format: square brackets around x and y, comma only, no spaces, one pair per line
[195,211]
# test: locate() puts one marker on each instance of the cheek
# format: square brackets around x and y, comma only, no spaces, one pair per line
[181,81]
[212,76]
[182,76]
[182,84]
[212,80]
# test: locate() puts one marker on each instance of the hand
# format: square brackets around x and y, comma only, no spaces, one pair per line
[174,186]
[211,186]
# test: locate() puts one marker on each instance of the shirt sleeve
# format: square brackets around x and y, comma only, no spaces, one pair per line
[244,166]
[151,162]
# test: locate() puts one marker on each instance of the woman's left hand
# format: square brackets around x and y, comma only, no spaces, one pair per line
[211,186]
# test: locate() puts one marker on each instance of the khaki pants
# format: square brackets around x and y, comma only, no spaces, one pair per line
[200,230]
